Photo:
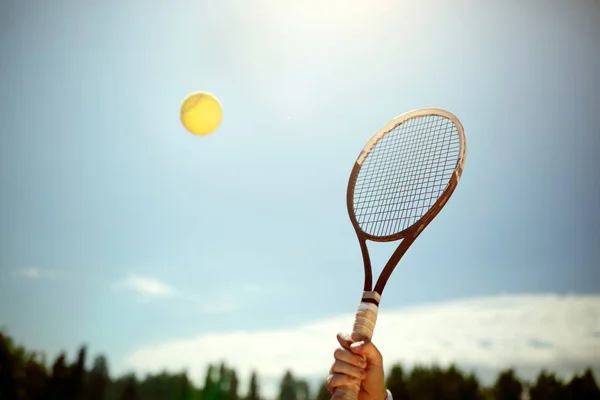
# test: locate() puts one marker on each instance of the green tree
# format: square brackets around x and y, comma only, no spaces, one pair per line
[323,393]
[471,389]
[59,384]
[508,386]
[23,373]
[98,379]
[396,383]
[436,383]
[77,376]
[233,386]
[287,388]
[186,387]
[36,377]
[130,389]
[221,384]
[547,387]
[457,385]
[228,383]
[11,369]
[425,383]
[162,386]
[253,389]
[583,387]
[223,379]
[302,389]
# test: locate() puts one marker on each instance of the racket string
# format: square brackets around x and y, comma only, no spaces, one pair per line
[398,215]
[413,212]
[381,164]
[411,185]
[404,174]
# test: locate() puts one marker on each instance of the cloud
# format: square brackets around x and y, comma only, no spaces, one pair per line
[29,272]
[527,332]
[148,289]
[37,273]
[146,286]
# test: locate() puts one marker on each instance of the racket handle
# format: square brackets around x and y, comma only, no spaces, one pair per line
[364,325]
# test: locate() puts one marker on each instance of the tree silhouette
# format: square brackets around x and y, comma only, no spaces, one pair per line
[460,386]
[187,390]
[547,387]
[396,384]
[10,366]
[130,389]
[77,374]
[323,393]
[422,385]
[223,380]
[98,379]
[302,389]
[583,387]
[209,392]
[233,386]
[36,378]
[221,384]
[24,376]
[253,389]
[59,386]
[434,383]
[508,386]
[288,389]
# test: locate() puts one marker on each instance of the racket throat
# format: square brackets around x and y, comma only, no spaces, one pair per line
[371,297]
[368,284]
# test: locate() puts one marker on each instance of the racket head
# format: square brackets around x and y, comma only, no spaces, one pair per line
[405,174]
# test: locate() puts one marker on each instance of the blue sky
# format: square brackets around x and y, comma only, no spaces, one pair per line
[121,230]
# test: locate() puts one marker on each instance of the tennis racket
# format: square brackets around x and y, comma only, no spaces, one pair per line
[401,180]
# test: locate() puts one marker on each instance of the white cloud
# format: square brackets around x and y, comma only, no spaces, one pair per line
[38,273]
[146,286]
[561,333]
[29,272]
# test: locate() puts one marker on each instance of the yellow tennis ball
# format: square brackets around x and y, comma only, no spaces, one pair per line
[201,113]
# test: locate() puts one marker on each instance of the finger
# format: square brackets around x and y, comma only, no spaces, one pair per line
[368,350]
[345,340]
[340,367]
[335,381]
[341,393]
[347,356]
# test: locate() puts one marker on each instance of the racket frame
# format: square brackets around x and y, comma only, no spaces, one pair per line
[366,315]
[409,234]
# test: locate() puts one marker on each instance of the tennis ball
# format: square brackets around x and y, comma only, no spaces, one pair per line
[201,113]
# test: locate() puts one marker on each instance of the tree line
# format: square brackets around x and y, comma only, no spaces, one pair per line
[24,375]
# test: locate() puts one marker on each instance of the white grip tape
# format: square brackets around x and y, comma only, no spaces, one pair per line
[364,322]
[364,325]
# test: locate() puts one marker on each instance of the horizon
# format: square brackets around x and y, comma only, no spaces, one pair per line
[549,345]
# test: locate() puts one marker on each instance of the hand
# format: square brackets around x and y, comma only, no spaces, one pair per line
[357,362]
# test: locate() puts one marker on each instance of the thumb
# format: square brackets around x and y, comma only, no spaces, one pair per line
[368,350]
